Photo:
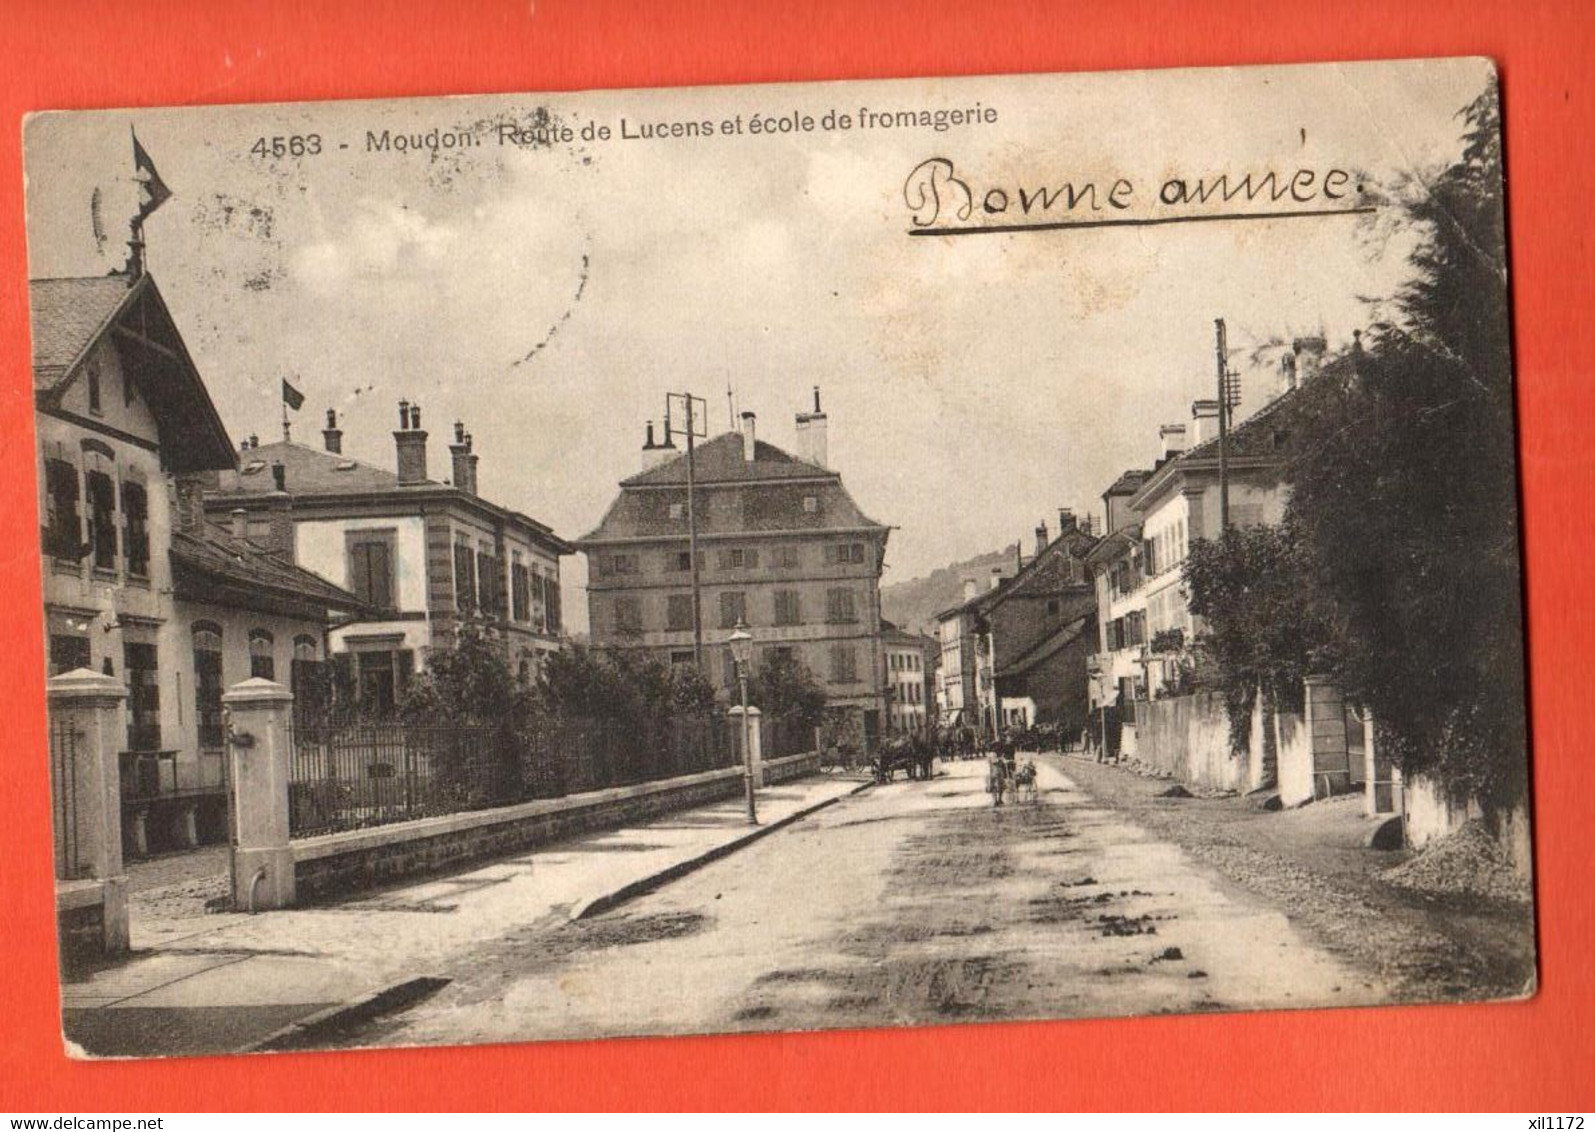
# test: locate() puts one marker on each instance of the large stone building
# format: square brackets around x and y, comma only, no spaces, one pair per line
[782,547]
[425,556]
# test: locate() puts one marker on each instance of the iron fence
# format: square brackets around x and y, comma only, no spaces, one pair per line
[358,773]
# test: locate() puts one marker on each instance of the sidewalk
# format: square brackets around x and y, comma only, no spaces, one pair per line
[201,983]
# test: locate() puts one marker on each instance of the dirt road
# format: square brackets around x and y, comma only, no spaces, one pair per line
[916,902]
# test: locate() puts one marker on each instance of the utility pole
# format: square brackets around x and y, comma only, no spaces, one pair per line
[690,405]
[1223,428]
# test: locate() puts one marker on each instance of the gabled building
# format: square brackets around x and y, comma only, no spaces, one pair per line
[425,557]
[136,585]
[1019,649]
[1145,624]
[782,547]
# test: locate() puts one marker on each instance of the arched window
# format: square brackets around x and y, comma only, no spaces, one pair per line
[261,661]
[307,677]
[208,684]
[306,648]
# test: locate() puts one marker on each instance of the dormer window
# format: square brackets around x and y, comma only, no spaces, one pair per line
[811,504]
[345,466]
[253,468]
[677,510]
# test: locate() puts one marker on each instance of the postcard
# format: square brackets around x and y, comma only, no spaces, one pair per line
[1146,637]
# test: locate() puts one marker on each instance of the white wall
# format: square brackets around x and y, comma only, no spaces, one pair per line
[321,545]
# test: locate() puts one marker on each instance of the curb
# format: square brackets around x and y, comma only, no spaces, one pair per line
[324,1023]
[603,903]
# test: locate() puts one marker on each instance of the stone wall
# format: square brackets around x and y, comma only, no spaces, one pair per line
[338,864]
[1188,737]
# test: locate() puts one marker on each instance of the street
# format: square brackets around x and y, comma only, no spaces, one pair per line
[912,903]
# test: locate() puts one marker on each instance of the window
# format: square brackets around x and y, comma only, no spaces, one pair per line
[371,568]
[683,561]
[788,608]
[68,652]
[520,592]
[207,636]
[628,616]
[733,609]
[102,520]
[844,664]
[677,510]
[785,558]
[678,613]
[464,577]
[92,373]
[811,504]
[1054,606]
[777,654]
[681,657]
[841,607]
[737,558]
[843,553]
[63,531]
[136,512]
[551,594]
[622,564]
[261,662]
[143,696]
[382,678]
[307,677]
[489,584]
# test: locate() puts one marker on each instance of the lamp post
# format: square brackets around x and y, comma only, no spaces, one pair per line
[741,642]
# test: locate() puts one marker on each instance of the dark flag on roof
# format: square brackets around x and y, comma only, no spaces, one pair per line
[291,396]
[152,191]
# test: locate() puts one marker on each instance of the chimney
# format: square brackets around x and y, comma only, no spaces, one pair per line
[1066,521]
[280,519]
[749,442]
[970,589]
[1306,356]
[811,438]
[1041,538]
[254,440]
[410,440]
[464,463]
[190,497]
[1172,439]
[1204,421]
[332,435]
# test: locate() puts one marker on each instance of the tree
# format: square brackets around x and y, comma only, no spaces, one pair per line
[1404,493]
[1263,631]
[468,683]
[784,688]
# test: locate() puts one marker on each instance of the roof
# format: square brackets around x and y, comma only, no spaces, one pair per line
[1129,482]
[213,552]
[71,316]
[1259,439]
[1110,546]
[68,315]
[317,473]
[1011,584]
[1045,648]
[732,497]
[721,460]
[894,634]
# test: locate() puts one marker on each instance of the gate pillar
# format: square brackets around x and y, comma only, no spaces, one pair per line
[260,750]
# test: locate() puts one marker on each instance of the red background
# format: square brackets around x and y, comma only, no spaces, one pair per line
[1523,1057]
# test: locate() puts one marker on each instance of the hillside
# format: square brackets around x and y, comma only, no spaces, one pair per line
[913,604]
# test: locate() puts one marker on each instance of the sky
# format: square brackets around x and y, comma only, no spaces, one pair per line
[551,295]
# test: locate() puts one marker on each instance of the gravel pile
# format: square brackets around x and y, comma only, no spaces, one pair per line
[1467,862]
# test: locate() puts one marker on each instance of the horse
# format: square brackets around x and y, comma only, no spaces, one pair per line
[1024,782]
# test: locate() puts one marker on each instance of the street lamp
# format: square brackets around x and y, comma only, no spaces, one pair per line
[741,642]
